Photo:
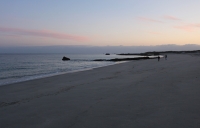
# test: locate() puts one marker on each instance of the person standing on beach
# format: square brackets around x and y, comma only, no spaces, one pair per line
[165,57]
[158,58]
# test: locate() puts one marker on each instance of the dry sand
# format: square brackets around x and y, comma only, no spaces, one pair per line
[136,94]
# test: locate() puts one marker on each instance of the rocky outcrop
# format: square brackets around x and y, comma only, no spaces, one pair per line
[125,59]
[65,58]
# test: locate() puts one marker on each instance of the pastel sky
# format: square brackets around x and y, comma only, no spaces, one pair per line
[99,22]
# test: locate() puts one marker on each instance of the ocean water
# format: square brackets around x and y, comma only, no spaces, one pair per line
[22,67]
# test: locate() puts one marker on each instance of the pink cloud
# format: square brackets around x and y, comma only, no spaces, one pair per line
[42,33]
[149,20]
[188,27]
[171,18]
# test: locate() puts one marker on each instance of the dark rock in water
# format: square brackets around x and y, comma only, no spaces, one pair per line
[128,59]
[65,58]
[124,59]
[107,54]
[100,60]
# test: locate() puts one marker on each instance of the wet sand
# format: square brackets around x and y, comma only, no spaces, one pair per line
[136,94]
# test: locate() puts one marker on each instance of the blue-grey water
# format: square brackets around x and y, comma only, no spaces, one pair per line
[22,67]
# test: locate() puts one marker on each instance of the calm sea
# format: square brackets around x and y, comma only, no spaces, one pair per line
[22,67]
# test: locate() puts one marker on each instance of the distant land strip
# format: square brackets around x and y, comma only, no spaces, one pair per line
[160,53]
[147,55]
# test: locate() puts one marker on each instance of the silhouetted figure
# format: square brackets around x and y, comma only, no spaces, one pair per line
[158,58]
[165,57]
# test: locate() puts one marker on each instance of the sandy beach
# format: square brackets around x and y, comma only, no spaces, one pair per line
[136,94]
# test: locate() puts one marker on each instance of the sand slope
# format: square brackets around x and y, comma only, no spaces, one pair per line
[137,94]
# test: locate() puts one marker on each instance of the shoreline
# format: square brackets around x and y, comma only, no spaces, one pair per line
[144,93]
[57,74]
[11,79]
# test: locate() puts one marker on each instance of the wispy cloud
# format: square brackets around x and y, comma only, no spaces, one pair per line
[148,20]
[188,27]
[168,17]
[42,33]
